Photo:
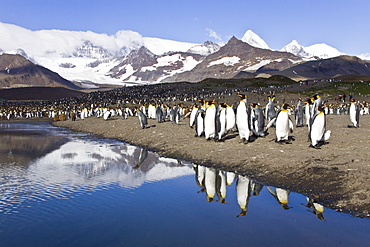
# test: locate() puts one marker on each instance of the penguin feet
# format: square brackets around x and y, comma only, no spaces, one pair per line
[291,138]
[283,142]
[243,140]
[315,146]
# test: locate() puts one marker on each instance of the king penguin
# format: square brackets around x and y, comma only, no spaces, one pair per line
[143,119]
[193,113]
[210,120]
[230,118]
[283,124]
[199,122]
[107,114]
[242,120]
[354,114]
[270,111]
[298,113]
[318,135]
[257,121]
[220,121]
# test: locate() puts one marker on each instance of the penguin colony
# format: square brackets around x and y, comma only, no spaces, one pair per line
[215,183]
[209,119]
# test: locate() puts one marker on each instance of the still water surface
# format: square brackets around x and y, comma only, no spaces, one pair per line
[59,188]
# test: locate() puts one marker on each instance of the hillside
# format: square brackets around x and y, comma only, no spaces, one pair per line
[17,71]
[37,93]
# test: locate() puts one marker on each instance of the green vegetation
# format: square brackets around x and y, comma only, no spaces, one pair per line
[335,88]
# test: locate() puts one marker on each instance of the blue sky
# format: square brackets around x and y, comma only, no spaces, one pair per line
[343,24]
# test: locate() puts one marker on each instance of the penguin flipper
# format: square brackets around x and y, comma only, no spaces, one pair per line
[291,126]
[272,121]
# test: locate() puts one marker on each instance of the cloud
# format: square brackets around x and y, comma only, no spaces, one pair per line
[213,34]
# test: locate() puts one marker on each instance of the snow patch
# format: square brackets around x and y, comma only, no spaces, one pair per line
[227,61]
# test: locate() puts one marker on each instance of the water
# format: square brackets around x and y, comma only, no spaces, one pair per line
[59,188]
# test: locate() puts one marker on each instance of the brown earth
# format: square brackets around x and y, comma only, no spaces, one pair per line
[337,175]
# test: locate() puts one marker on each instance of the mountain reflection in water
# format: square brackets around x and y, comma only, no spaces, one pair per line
[87,191]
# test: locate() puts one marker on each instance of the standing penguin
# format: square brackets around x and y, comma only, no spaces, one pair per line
[199,122]
[193,113]
[220,121]
[354,114]
[159,114]
[257,120]
[298,113]
[317,134]
[143,119]
[210,121]
[242,120]
[283,124]
[270,111]
[230,118]
[307,112]
[107,114]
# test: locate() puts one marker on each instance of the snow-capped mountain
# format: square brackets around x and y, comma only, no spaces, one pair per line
[254,40]
[205,49]
[237,57]
[127,57]
[321,51]
[295,48]
[364,56]
[142,65]
[83,56]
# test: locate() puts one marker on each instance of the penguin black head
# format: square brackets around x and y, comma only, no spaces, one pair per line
[223,105]
[321,108]
[309,101]
[286,106]
[242,96]
[352,100]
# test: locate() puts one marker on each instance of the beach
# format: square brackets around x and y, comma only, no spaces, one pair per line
[337,175]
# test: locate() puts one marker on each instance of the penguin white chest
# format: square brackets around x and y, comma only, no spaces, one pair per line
[282,126]
[209,122]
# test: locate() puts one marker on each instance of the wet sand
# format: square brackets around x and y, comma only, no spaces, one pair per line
[337,175]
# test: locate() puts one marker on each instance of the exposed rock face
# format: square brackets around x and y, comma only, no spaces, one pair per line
[329,68]
[17,71]
[234,57]
[143,65]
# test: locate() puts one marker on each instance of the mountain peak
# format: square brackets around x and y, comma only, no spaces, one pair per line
[254,40]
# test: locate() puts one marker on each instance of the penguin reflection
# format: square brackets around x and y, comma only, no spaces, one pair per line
[243,188]
[210,183]
[317,209]
[221,186]
[142,157]
[199,177]
[256,188]
[281,196]
[230,177]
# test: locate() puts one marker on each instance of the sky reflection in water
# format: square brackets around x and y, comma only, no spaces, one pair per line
[62,188]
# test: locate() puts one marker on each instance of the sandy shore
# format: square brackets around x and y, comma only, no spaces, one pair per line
[337,175]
